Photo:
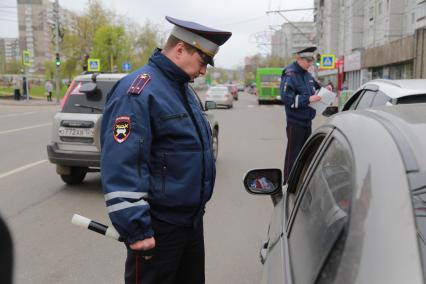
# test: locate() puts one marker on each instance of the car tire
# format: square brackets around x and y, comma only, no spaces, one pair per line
[76,176]
[215,143]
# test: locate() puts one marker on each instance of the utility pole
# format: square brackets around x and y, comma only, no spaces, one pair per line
[56,12]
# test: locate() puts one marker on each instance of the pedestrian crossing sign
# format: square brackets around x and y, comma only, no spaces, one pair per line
[93,65]
[328,61]
[26,58]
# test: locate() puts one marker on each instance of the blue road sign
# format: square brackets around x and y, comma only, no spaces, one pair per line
[328,61]
[93,64]
[126,66]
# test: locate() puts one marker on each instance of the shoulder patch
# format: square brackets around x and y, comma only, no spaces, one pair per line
[289,73]
[138,84]
[121,130]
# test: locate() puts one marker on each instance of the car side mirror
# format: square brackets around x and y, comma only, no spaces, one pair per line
[88,88]
[329,111]
[263,181]
[210,105]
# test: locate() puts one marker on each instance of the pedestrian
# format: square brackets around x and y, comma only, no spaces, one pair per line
[158,168]
[49,87]
[330,86]
[24,87]
[16,88]
[298,90]
[6,254]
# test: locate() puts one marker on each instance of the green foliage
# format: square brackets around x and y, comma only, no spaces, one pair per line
[110,45]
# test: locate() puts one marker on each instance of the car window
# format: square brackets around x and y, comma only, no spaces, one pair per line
[380,99]
[300,169]
[352,101]
[81,103]
[419,202]
[322,215]
[366,100]
[412,99]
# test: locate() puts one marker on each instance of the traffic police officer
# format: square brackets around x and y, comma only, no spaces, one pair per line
[158,169]
[298,90]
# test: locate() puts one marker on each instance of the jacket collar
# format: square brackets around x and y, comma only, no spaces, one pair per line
[168,67]
[297,68]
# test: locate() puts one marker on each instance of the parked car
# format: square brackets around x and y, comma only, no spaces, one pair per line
[353,210]
[220,95]
[385,92]
[75,146]
[234,91]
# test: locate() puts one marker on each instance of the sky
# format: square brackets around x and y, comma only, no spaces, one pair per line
[246,19]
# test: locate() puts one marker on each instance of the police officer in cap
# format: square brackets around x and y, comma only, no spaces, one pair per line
[158,168]
[298,90]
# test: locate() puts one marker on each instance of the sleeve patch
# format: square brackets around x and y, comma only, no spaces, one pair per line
[138,84]
[121,129]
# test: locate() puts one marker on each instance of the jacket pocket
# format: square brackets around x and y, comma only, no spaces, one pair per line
[173,116]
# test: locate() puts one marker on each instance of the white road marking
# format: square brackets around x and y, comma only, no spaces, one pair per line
[17,114]
[250,106]
[25,128]
[17,170]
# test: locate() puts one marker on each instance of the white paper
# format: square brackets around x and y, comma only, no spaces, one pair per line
[327,98]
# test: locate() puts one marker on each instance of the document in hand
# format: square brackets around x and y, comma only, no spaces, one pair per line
[327,98]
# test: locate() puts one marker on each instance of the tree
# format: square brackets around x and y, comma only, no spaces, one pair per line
[147,40]
[110,45]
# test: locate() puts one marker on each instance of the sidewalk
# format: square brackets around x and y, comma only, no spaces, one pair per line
[33,101]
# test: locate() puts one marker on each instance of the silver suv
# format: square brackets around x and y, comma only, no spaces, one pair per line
[75,146]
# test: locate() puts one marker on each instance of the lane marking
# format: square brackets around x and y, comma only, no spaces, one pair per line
[25,128]
[17,114]
[17,170]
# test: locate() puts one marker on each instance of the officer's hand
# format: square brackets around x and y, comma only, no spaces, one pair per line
[146,244]
[314,98]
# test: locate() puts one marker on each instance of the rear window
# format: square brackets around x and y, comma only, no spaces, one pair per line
[87,103]
[218,90]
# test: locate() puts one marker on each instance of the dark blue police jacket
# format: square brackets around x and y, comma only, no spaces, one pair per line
[297,85]
[157,158]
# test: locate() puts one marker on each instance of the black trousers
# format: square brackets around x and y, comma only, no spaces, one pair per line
[178,257]
[296,137]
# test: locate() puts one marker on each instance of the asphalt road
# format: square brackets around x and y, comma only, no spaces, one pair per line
[38,206]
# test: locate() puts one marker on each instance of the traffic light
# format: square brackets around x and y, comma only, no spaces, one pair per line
[58,60]
[318,60]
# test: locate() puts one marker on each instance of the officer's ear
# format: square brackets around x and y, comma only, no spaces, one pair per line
[180,48]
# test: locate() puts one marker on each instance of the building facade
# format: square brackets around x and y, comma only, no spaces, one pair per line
[375,38]
[291,38]
[9,49]
[36,20]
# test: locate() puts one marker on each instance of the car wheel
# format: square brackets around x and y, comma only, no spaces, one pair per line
[215,144]
[76,175]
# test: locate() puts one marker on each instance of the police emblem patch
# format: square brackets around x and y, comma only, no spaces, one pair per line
[138,84]
[121,128]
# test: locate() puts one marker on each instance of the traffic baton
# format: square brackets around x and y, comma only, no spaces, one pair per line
[96,227]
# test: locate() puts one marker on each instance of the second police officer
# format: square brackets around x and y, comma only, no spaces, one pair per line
[158,169]
[298,90]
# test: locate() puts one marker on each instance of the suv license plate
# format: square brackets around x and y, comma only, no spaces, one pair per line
[75,132]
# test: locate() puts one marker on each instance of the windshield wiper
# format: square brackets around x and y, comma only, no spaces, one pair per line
[87,106]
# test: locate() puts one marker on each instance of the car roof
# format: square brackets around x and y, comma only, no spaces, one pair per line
[406,123]
[101,77]
[398,88]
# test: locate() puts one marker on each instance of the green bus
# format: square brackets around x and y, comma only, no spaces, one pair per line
[268,84]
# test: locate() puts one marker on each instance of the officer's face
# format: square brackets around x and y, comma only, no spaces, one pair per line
[193,64]
[305,63]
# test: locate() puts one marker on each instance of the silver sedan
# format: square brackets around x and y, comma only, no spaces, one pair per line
[220,95]
[354,208]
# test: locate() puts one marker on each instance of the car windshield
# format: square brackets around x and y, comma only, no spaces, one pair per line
[78,102]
